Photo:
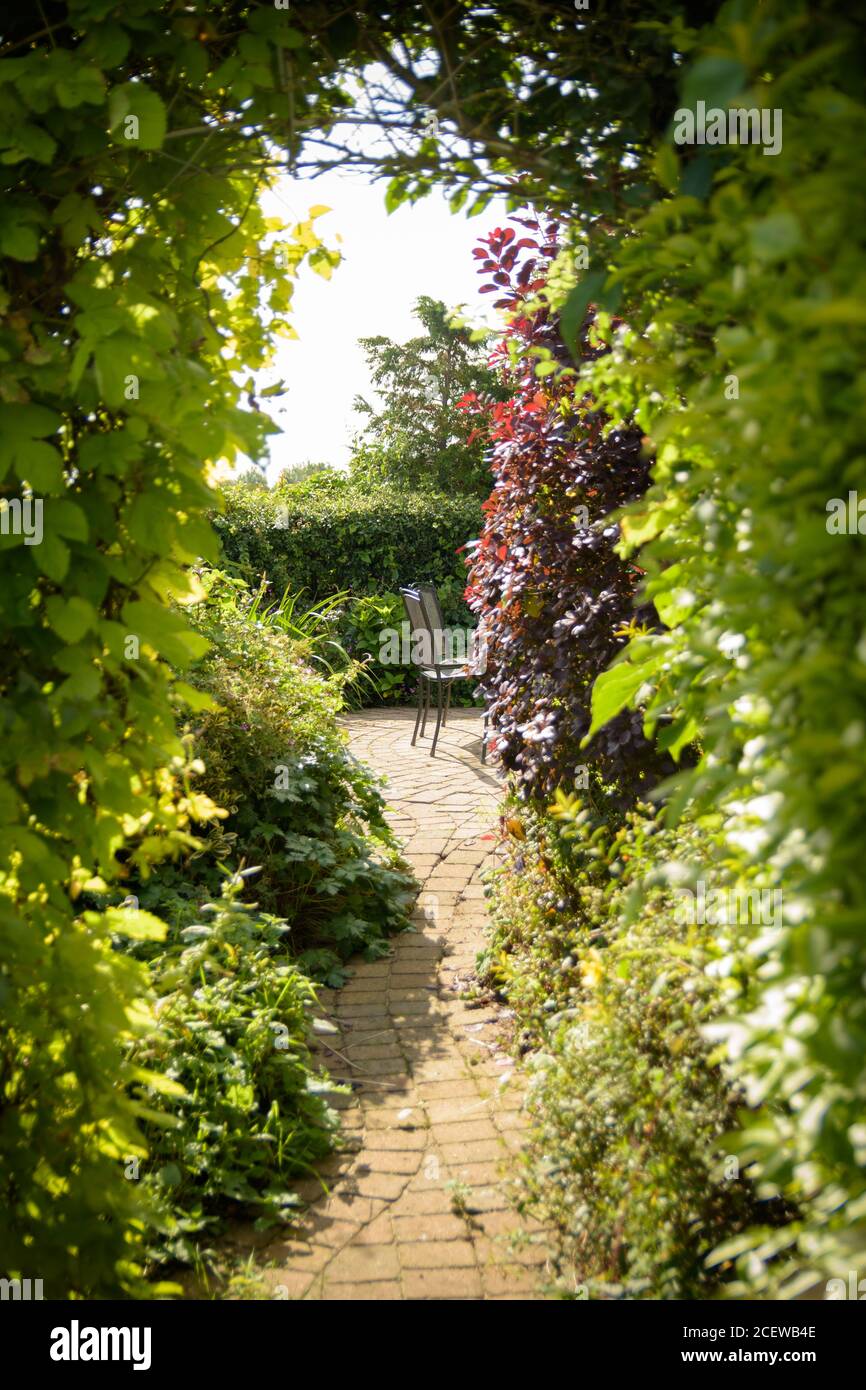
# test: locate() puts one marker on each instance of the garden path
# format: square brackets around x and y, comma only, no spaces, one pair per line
[419,1209]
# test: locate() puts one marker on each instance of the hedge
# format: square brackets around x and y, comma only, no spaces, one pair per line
[331,534]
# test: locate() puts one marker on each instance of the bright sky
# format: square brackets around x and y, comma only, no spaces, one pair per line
[389,260]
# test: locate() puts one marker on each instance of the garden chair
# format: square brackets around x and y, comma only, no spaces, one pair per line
[430,599]
[435,667]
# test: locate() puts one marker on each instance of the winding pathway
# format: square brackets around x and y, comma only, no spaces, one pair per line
[417,1206]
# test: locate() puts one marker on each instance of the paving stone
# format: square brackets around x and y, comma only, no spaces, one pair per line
[393,1160]
[369,1263]
[471,1152]
[378,1232]
[379,1184]
[333,1233]
[396,1140]
[286,1283]
[449,1112]
[425,1201]
[437,1254]
[465,1133]
[456,1088]
[442,1283]
[360,1292]
[498,1279]
[432,1226]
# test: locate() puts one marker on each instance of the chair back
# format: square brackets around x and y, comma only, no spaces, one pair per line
[418,624]
[435,619]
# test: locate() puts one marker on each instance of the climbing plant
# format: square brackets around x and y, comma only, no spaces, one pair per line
[139,280]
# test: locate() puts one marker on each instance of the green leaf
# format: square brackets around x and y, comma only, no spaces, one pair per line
[30,142]
[714,80]
[111,373]
[19,241]
[70,618]
[195,699]
[776,236]
[134,99]
[52,557]
[40,465]
[135,923]
[673,605]
[573,311]
[677,736]
[165,631]
[68,520]
[614,690]
[287,37]
[83,85]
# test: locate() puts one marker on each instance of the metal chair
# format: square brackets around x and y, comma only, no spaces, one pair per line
[434,666]
[430,599]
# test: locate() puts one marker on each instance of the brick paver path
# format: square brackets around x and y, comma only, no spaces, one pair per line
[420,1207]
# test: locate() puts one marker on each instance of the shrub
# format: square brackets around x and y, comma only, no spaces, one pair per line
[247,1111]
[329,535]
[627,1098]
[299,805]
[555,599]
[120,292]
[232,1107]
[743,360]
[366,619]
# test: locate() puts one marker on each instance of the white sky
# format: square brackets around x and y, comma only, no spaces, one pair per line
[389,260]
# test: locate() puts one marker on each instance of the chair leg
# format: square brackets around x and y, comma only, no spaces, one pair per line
[418,711]
[438,717]
[426,705]
[447,705]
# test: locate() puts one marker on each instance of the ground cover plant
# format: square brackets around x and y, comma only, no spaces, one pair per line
[299,806]
[630,1101]
[246,1110]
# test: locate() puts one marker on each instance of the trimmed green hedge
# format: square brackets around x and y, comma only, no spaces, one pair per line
[330,534]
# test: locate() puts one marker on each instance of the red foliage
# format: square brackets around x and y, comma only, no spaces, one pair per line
[544,579]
